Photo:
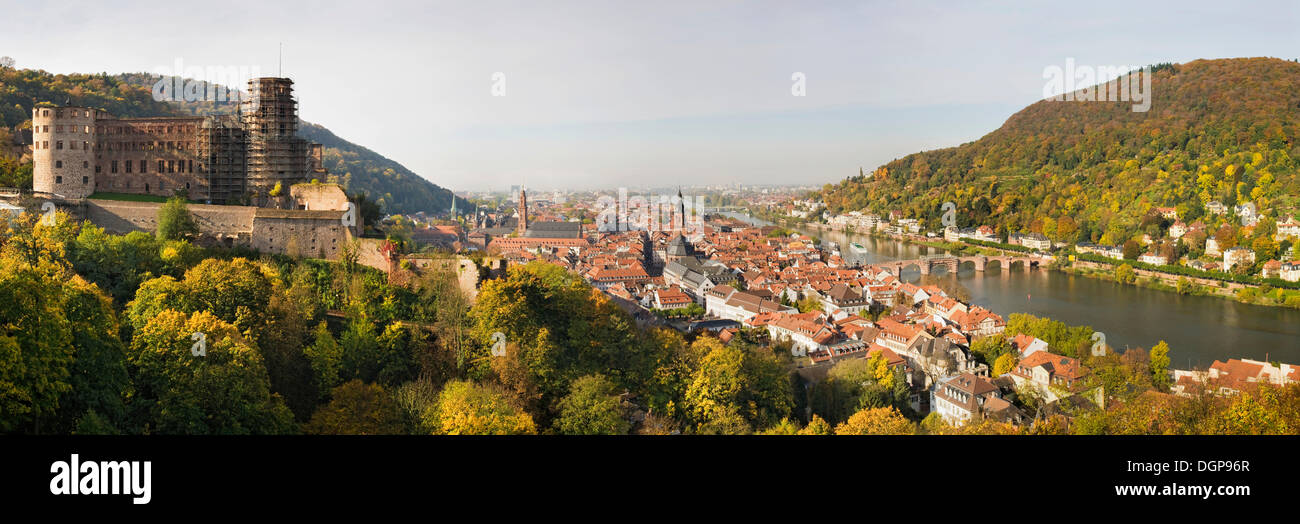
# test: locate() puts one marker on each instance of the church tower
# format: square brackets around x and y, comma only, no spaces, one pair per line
[523,211]
[680,224]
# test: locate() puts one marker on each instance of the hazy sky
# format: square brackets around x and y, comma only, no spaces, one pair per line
[636,93]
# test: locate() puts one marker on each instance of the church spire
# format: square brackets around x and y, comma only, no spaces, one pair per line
[523,211]
[681,210]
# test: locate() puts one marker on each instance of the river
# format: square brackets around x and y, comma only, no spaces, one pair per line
[1199,330]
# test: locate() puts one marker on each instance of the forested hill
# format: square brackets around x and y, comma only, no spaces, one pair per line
[1222,130]
[359,169]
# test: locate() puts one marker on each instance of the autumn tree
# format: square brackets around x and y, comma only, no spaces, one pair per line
[1004,364]
[591,408]
[466,408]
[357,408]
[876,421]
[1160,366]
[735,382]
[36,347]
[223,389]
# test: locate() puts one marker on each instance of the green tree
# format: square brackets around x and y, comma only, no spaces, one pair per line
[225,390]
[990,348]
[591,408]
[357,408]
[98,374]
[326,357]
[175,221]
[809,304]
[235,291]
[36,351]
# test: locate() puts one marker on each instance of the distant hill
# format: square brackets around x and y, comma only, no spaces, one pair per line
[359,169]
[1222,130]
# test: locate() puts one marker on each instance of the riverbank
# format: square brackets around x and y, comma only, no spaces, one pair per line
[1199,328]
[1185,285]
[1252,294]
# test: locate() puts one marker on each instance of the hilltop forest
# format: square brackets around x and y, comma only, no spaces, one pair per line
[1217,130]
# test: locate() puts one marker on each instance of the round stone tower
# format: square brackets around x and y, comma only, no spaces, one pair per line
[63,153]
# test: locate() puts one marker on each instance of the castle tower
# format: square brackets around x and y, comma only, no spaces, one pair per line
[523,211]
[276,155]
[63,154]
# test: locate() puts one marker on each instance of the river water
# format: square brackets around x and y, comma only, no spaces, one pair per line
[1199,330]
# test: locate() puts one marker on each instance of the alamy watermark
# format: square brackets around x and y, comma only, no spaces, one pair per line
[1083,83]
[181,83]
[652,213]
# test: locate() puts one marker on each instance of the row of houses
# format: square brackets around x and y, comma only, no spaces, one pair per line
[1232,377]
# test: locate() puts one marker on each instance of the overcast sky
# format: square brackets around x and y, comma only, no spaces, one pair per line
[636,93]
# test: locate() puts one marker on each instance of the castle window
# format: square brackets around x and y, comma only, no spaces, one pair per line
[58,129]
[113,167]
[189,167]
[85,145]
[87,130]
[97,169]
[58,113]
[85,180]
[127,165]
[85,164]
[58,163]
[171,166]
[162,166]
[47,113]
[143,165]
[58,145]
[58,180]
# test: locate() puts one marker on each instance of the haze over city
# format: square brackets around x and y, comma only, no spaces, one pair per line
[600,95]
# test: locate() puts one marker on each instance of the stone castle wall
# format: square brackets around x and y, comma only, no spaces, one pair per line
[150,156]
[302,233]
[316,234]
[125,217]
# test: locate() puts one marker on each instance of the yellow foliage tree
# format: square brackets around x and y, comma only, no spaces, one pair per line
[877,421]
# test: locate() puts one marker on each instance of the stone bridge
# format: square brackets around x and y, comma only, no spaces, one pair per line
[927,264]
